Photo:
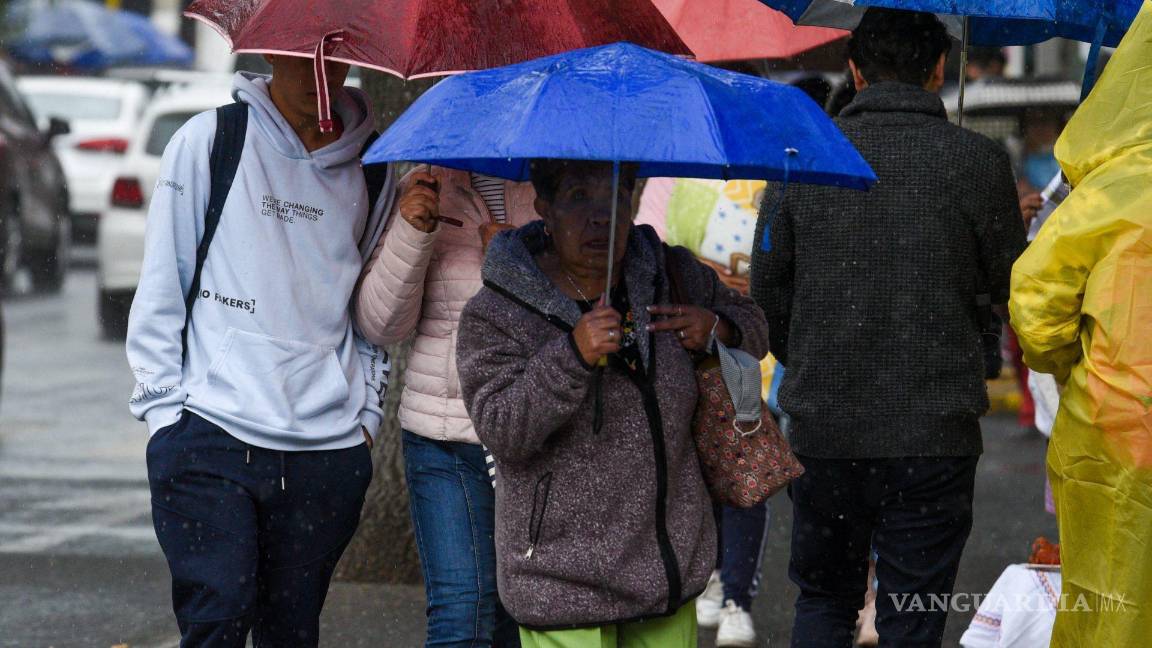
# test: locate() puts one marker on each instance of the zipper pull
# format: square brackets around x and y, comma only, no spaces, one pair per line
[531,550]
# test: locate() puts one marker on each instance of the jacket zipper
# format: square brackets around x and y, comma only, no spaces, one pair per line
[656,427]
[536,525]
[667,553]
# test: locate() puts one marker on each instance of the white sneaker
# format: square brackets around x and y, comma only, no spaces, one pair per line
[710,604]
[736,629]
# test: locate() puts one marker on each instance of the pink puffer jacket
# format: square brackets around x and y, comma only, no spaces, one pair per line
[420,282]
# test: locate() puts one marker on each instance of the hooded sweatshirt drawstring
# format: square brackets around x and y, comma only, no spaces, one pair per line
[283,480]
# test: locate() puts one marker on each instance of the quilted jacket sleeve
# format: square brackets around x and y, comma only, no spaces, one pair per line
[391,293]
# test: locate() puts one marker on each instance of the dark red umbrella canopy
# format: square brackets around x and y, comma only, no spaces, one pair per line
[416,38]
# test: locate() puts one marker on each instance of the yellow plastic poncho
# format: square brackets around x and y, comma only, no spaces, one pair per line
[1082,306]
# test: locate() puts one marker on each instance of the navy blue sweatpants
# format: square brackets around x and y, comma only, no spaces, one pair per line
[252,536]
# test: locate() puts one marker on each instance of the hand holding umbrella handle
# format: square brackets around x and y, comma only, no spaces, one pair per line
[447,220]
[435,186]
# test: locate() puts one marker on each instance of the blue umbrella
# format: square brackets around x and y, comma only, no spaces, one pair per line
[86,35]
[997,23]
[624,103]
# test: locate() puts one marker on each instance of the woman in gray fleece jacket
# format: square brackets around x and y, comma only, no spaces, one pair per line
[603,519]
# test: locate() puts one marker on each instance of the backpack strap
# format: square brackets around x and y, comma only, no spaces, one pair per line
[377,177]
[228,144]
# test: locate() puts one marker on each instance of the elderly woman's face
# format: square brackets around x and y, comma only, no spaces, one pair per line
[579,219]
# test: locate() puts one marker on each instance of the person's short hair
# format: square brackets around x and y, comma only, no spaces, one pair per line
[897,45]
[547,174]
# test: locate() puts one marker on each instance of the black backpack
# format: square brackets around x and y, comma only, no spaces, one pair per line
[227,146]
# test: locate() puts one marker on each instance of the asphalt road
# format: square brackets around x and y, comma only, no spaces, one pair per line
[79,565]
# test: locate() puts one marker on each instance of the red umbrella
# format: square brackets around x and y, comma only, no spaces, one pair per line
[731,30]
[420,38]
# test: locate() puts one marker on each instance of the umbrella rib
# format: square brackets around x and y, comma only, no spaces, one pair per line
[528,113]
[714,122]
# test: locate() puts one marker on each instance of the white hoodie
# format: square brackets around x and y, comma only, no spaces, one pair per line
[272,354]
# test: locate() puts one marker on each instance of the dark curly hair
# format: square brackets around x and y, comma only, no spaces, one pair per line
[896,45]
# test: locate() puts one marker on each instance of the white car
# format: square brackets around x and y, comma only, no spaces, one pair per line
[102,115]
[120,239]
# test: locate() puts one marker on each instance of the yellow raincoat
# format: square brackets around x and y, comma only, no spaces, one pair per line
[1082,306]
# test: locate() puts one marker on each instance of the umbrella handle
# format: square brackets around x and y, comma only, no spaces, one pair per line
[319,63]
[612,226]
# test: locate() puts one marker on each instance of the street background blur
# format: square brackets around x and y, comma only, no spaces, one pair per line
[80,140]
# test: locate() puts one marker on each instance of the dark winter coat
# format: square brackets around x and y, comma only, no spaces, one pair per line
[871,296]
[619,522]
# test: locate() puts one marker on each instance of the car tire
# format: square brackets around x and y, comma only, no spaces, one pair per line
[113,312]
[49,267]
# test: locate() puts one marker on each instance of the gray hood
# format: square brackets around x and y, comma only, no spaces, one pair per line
[510,267]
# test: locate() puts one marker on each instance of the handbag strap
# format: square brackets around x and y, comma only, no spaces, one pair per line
[676,294]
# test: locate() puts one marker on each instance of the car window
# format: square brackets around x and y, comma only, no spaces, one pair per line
[163,129]
[74,106]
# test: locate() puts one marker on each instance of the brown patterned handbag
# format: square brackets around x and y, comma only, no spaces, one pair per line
[743,463]
[744,457]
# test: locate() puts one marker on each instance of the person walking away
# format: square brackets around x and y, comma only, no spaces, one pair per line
[1082,305]
[260,397]
[871,299]
[418,280]
[604,527]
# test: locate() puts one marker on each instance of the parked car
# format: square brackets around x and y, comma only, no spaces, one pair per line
[120,240]
[103,115]
[34,234]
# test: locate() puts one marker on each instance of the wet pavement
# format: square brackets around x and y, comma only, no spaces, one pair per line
[79,564]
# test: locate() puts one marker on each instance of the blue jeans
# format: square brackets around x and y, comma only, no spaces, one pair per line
[251,535]
[453,512]
[743,533]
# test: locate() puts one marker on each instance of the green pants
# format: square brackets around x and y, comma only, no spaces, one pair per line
[676,631]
